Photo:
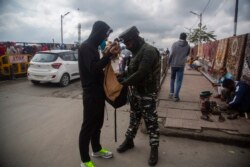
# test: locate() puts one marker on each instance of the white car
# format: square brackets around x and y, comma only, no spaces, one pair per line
[55,66]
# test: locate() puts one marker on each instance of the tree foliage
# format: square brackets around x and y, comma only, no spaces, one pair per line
[195,34]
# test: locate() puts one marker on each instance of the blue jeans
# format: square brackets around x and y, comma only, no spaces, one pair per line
[176,73]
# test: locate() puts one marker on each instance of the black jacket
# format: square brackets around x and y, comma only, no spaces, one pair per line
[144,69]
[241,99]
[90,64]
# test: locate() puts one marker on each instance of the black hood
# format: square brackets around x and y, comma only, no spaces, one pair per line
[100,31]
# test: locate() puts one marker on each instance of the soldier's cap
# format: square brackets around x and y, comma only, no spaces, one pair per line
[129,34]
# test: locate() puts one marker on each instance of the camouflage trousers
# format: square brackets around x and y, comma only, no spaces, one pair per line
[144,107]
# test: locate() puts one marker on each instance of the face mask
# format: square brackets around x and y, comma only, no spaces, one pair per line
[134,47]
[103,45]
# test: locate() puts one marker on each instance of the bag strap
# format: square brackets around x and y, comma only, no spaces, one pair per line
[106,72]
[115,126]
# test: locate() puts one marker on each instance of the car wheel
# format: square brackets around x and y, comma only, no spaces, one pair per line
[35,82]
[64,80]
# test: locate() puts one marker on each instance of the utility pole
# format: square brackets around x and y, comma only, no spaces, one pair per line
[53,43]
[61,29]
[79,33]
[62,16]
[200,24]
[236,16]
[79,27]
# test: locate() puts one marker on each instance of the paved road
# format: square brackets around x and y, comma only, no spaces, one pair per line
[39,127]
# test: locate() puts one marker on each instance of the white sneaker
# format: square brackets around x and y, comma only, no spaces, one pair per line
[103,153]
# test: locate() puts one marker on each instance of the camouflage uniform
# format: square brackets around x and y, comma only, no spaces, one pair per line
[143,76]
[144,106]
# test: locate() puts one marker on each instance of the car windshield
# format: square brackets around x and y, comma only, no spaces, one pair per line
[44,57]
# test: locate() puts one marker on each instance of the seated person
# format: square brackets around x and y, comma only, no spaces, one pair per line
[196,64]
[240,100]
[222,93]
[190,62]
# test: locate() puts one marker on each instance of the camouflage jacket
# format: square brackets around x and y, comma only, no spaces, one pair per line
[143,72]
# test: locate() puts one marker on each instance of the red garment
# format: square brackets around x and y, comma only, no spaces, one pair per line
[45,47]
[220,55]
[213,49]
[235,55]
[246,66]
[206,50]
[194,51]
[2,50]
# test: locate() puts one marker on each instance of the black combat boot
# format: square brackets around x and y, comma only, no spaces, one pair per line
[127,144]
[153,158]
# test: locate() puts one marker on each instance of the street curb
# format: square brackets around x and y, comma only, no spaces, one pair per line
[207,135]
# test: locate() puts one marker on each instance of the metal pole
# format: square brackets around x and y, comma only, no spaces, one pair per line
[115,126]
[53,43]
[200,25]
[61,29]
[79,28]
[62,16]
[236,16]
[79,33]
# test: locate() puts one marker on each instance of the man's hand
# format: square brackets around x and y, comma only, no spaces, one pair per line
[115,48]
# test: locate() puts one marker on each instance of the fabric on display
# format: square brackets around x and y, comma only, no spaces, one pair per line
[212,55]
[220,55]
[246,65]
[235,55]
[200,51]
[209,50]
[213,49]
[206,63]
[206,51]
[194,51]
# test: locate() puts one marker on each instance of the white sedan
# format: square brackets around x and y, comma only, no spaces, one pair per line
[55,66]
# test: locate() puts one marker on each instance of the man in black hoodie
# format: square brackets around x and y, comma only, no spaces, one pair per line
[92,76]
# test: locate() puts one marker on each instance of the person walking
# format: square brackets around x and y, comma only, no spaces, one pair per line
[167,52]
[142,77]
[92,77]
[177,60]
